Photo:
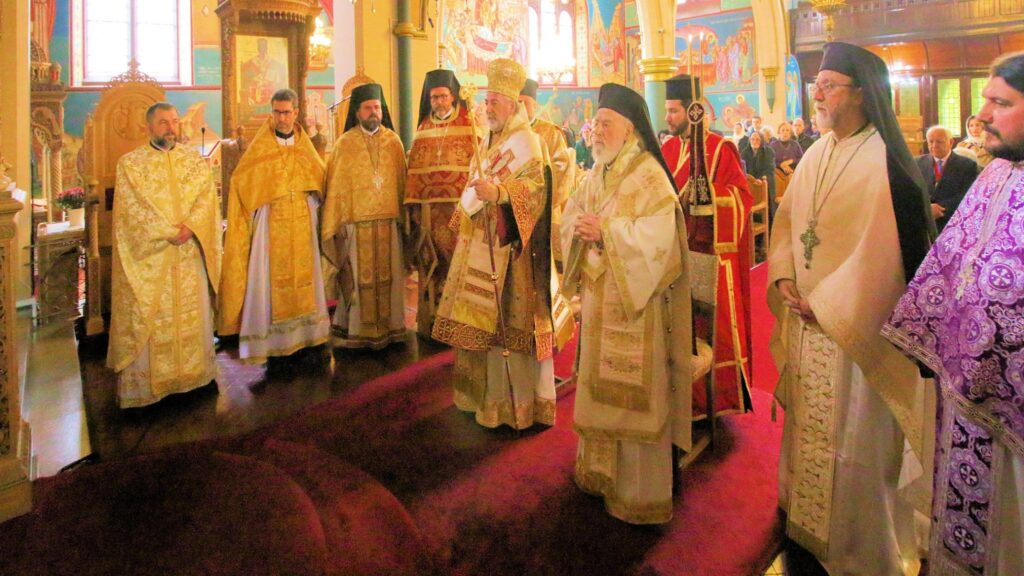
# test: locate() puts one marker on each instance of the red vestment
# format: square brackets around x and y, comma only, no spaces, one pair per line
[727,235]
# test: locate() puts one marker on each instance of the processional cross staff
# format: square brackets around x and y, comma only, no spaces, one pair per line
[469,91]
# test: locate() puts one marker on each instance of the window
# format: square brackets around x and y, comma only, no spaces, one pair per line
[977,100]
[552,49]
[108,34]
[949,105]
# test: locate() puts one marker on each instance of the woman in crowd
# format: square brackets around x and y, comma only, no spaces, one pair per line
[759,161]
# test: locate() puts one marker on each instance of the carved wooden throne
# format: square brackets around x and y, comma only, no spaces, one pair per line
[116,127]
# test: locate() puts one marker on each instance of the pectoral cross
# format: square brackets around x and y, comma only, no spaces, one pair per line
[810,240]
[377,181]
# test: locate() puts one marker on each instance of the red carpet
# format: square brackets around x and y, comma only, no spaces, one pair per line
[765,374]
[392,479]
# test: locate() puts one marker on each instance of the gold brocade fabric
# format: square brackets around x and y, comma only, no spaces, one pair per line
[281,176]
[365,183]
[438,173]
[157,285]
[467,317]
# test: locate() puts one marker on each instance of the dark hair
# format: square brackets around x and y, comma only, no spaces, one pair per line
[285,95]
[151,111]
[570,137]
[1010,67]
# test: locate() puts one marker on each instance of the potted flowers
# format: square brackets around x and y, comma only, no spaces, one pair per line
[72,201]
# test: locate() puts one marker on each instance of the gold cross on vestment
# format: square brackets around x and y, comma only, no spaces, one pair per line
[810,240]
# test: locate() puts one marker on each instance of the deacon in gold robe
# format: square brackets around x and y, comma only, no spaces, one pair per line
[510,258]
[166,267]
[272,292]
[438,173]
[625,239]
[558,156]
[362,231]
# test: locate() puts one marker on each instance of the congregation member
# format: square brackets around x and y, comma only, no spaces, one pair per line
[803,137]
[503,369]
[852,227]
[947,175]
[166,267]
[739,136]
[272,288]
[363,225]
[625,241]
[787,150]
[961,318]
[724,233]
[759,162]
[973,144]
[438,172]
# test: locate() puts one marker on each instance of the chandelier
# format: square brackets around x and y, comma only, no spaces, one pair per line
[828,9]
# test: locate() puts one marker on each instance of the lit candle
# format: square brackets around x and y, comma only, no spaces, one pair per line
[689,54]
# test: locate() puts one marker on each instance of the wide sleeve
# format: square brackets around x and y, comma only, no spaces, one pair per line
[780,252]
[526,192]
[641,249]
[203,219]
[573,248]
[337,206]
[235,265]
[142,256]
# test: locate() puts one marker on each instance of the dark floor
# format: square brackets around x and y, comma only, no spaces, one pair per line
[244,397]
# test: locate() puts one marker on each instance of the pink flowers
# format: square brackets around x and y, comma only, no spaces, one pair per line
[71,198]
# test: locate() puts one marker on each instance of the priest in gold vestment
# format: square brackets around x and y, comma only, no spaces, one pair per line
[166,267]
[438,173]
[624,237]
[557,153]
[362,225]
[272,290]
[507,191]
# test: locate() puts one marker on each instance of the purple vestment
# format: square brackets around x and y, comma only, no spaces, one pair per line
[963,317]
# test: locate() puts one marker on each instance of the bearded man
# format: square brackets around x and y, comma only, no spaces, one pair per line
[362,225]
[166,267]
[625,239]
[496,306]
[438,173]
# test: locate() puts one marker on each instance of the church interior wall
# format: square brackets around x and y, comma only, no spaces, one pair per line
[199,104]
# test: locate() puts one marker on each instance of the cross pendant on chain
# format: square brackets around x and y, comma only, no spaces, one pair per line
[810,240]
[377,181]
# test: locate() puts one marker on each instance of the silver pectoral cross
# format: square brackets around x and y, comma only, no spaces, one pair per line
[377,181]
[810,240]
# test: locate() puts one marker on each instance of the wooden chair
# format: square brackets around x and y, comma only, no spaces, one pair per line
[116,127]
[759,214]
[703,293]
[781,183]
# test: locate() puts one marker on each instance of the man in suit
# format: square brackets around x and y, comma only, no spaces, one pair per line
[948,175]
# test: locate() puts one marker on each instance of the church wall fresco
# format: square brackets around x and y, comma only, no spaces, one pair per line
[199,105]
[727,65]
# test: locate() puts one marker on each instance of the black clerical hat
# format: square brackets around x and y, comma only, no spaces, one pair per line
[361,94]
[529,88]
[439,78]
[910,197]
[679,88]
[628,103]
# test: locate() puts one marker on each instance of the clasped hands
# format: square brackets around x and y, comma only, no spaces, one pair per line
[792,300]
[588,228]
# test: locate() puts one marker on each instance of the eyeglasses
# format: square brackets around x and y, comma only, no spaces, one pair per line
[827,87]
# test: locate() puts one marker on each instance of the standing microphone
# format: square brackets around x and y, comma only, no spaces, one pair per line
[202,146]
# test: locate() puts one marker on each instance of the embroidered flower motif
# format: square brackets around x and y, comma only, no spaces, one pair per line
[985,380]
[1011,323]
[1001,279]
[947,247]
[977,332]
[932,297]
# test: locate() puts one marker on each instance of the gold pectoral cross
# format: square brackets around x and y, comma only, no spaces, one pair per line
[810,240]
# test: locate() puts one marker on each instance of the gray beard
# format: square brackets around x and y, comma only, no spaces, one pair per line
[370,124]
